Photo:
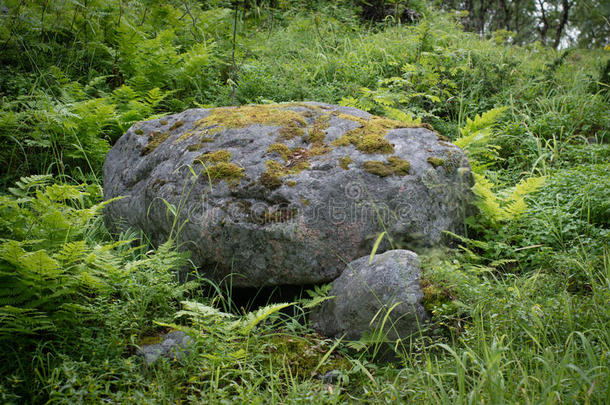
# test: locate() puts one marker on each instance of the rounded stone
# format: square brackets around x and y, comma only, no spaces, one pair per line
[261,195]
[383,296]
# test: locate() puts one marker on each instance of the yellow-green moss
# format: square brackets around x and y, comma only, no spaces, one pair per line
[222,155]
[305,202]
[270,180]
[316,130]
[291,183]
[283,150]
[139,132]
[442,138]
[296,162]
[436,161]
[290,132]
[227,171]
[393,166]
[370,136]
[379,168]
[155,139]
[345,161]
[241,117]
[176,125]
[428,126]
[150,340]
[163,122]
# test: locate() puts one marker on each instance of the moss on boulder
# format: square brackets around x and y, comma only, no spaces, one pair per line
[393,166]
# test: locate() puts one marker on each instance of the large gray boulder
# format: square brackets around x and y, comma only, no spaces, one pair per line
[285,193]
[386,290]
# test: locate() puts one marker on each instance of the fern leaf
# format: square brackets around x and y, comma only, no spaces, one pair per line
[252,319]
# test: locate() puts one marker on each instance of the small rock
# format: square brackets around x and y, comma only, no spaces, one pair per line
[367,291]
[174,346]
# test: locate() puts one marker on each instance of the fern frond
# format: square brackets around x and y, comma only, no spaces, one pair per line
[198,312]
[488,202]
[248,322]
[26,183]
[485,120]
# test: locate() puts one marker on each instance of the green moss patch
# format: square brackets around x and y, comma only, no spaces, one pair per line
[281,149]
[393,166]
[434,295]
[227,171]
[241,117]
[302,355]
[291,132]
[214,157]
[295,162]
[270,180]
[436,161]
[218,167]
[139,132]
[163,122]
[370,136]
[316,132]
[176,125]
[155,139]
[345,161]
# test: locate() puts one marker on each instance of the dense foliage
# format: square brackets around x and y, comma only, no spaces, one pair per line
[520,304]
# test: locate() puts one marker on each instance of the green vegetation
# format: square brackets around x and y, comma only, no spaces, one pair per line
[519,305]
[436,161]
[345,161]
[394,166]
[155,139]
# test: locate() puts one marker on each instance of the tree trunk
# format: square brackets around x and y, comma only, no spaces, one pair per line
[565,5]
[545,23]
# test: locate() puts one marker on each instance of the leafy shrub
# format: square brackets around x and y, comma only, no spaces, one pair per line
[52,272]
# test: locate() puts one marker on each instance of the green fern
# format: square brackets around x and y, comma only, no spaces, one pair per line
[245,324]
[496,206]
[212,319]
[47,267]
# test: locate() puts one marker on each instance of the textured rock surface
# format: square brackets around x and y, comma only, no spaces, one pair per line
[173,346]
[286,193]
[365,291]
